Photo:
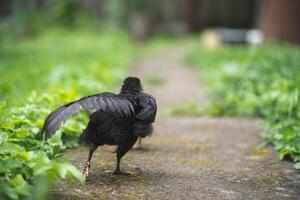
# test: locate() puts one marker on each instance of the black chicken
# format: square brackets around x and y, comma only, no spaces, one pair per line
[115,119]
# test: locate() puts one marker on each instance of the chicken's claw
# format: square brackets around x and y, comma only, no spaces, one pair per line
[86,169]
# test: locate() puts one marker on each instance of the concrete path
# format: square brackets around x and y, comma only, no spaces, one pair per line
[187,157]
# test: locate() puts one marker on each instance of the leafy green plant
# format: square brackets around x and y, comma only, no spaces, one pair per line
[37,75]
[257,81]
[26,160]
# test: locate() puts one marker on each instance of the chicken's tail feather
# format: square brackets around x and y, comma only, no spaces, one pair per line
[59,116]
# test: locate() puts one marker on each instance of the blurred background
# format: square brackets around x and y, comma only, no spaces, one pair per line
[245,52]
[53,36]
[277,19]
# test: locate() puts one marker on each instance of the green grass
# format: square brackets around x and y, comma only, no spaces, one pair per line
[259,81]
[154,80]
[84,61]
[187,108]
[37,75]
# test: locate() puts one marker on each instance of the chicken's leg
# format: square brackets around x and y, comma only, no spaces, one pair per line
[86,167]
[121,151]
[138,145]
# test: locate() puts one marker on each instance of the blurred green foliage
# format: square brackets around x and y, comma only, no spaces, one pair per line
[256,81]
[64,59]
[29,18]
